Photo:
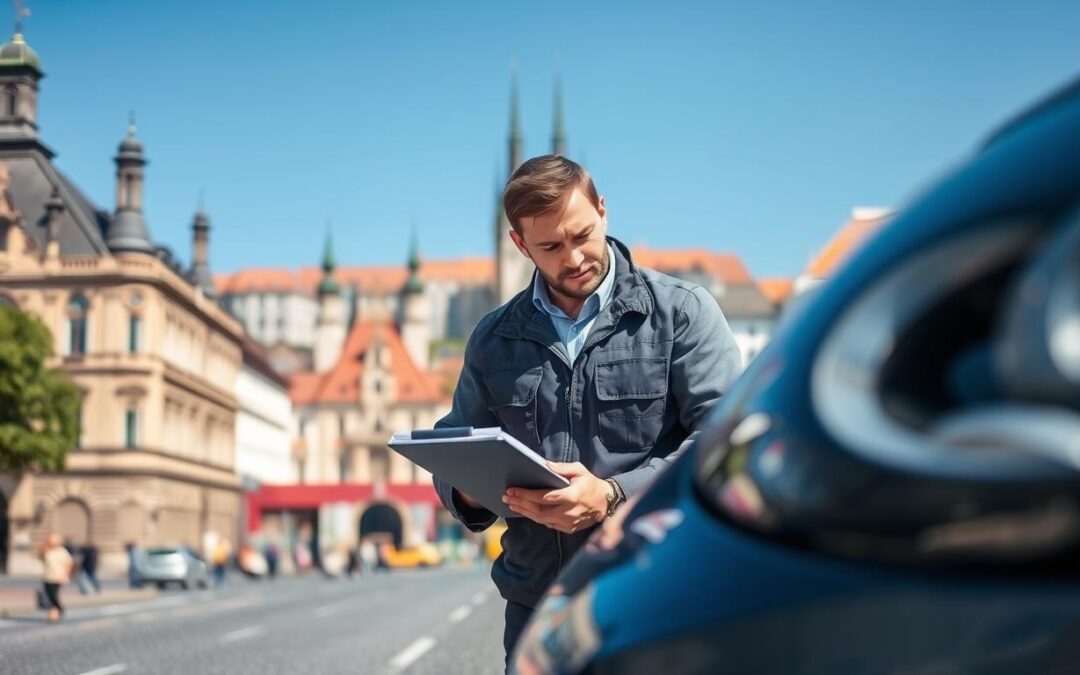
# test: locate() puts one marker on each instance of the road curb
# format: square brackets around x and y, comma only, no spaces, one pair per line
[26,602]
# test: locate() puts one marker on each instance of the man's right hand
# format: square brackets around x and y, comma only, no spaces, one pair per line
[467,500]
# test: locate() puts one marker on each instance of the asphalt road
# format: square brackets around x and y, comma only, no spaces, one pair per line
[429,621]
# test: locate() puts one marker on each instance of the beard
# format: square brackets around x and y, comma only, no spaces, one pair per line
[564,287]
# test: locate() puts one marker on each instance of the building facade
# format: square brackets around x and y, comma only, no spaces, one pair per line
[264,453]
[155,357]
[372,375]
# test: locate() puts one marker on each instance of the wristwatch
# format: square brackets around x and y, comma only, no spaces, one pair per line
[616,497]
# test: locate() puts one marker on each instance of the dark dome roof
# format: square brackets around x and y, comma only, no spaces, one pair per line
[18,53]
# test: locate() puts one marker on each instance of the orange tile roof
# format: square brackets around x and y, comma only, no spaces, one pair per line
[369,278]
[776,290]
[844,243]
[724,266]
[341,384]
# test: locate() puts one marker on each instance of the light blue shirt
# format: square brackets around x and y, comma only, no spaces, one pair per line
[573,332]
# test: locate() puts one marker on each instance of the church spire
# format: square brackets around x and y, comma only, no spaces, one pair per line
[515,139]
[328,285]
[200,252]
[558,129]
[414,284]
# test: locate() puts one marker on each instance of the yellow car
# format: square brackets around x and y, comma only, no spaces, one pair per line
[424,555]
[493,539]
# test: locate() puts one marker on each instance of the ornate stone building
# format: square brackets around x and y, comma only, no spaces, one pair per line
[154,355]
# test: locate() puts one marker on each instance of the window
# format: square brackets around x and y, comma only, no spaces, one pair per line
[131,428]
[133,334]
[343,466]
[78,309]
[11,97]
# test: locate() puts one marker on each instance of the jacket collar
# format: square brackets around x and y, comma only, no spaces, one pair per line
[522,319]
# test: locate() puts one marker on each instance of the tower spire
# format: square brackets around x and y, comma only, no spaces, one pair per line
[414,284]
[515,139]
[128,231]
[558,129]
[200,251]
[21,12]
[328,285]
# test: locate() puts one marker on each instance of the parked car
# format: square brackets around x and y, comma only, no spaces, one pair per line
[421,555]
[177,564]
[894,484]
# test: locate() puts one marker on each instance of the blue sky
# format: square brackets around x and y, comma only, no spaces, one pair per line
[735,127]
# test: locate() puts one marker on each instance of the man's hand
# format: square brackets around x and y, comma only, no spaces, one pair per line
[570,509]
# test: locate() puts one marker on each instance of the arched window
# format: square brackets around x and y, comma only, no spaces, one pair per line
[78,311]
[131,428]
[11,98]
[134,330]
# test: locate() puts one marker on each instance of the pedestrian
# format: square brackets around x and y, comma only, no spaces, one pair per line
[58,567]
[605,366]
[134,555]
[220,560]
[270,552]
[88,580]
[351,561]
[369,557]
[302,557]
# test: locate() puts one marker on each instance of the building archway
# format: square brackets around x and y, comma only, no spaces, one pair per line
[72,521]
[381,518]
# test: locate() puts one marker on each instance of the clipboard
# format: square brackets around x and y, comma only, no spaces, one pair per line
[481,462]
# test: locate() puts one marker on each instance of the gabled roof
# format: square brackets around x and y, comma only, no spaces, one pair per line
[776,290]
[369,279]
[863,223]
[341,384]
[725,267]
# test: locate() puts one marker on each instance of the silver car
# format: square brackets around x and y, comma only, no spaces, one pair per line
[178,565]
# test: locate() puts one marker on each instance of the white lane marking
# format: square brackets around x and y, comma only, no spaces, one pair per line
[460,614]
[107,670]
[224,605]
[129,607]
[413,652]
[243,633]
[479,599]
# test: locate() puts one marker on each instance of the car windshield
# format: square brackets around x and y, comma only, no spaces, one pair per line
[159,552]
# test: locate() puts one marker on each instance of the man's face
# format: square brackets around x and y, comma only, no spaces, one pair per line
[567,246]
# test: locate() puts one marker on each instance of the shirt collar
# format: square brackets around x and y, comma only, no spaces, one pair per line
[593,304]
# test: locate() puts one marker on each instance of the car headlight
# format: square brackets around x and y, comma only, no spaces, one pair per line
[561,637]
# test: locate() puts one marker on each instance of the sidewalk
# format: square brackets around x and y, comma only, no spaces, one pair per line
[21,600]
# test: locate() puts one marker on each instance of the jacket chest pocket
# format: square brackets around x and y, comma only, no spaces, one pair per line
[513,402]
[631,394]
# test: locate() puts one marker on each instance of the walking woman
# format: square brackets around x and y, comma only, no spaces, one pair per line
[58,567]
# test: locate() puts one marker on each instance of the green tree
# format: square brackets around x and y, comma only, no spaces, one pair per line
[39,406]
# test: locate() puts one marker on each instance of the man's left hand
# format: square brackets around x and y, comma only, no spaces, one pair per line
[570,509]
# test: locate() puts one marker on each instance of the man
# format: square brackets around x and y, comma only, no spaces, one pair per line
[88,569]
[601,367]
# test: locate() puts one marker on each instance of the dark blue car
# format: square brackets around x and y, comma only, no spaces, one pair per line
[894,484]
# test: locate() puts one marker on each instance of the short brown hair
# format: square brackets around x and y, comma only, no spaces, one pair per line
[543,183]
